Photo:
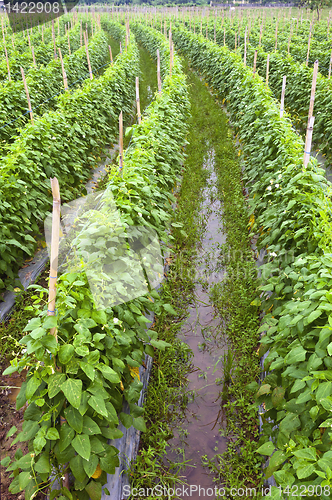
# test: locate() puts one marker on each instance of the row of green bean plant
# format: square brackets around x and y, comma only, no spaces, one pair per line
[298,89]
[291,212]
[45,83]
[99,351]
[44,53]
[61,143]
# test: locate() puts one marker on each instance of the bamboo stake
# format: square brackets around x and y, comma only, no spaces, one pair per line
[224,37]
[33,56]
[245,49]
[235,41]
[276,44]
[68,43]
[54,252]
[255,62]
[42,33]
[267,69]
[27,94]
[158,71]
[282,101]
[111,57]
[64,76]
[81,34]
[53,35]
[13,41]
[120,142]
[313,90]
[308,51]
[87,56]
[138,104]
[308,140]
[8,70]
[330,66]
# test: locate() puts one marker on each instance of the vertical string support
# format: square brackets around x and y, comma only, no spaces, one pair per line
[27,95]
[87,56]
[54,251]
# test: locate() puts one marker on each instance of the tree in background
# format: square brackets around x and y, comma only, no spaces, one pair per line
[317,5]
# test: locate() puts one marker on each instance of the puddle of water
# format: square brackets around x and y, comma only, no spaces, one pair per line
[197,434]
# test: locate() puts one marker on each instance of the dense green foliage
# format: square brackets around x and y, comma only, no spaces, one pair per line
[292,210]
[62,143]
[91,369]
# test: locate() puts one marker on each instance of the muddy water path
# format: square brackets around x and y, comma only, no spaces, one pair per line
[197,433]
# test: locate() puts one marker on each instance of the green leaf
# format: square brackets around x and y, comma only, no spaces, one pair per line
[109,373]
[126,419]
[168,308]
[88,370]
[160,344]
[52,434]
[90,465]
[33,324]
[277,396]
[306,453]
[65,353]
[23,479]
[5,461]
[296,355]
[312,316]
[111,433]
[74,418]
[76,465]
[98,404]
[54,384]
[139,424]
[81,444]
[50,322]
[99,317]
[90,427]
[32,386]
[93,489]
[67,434]
[266,448]
[305,470]
[264,389]
[43,464]
[72,389]
[11,432]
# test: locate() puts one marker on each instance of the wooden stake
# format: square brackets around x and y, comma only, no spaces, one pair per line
[27,94]
[255,62]
[224,37]
[329,77]
[111,57]
[158,71]
[267,69]
[245,49]
[8,70]
[42,33]
[81,34]
[120,142]
[313,90]
[276,44]
[53,35]
[282,101]
[68,43]
[33,56]
[308,140]
[87,56]
[138,101]
[214,27]
[235,41]
[54,251]
[64,76]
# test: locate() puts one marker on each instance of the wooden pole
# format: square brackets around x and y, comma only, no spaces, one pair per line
[81,34]
[235,41]
[245,49]
[138,104]
[255,61]
[53,35]
[54,251]
[120,142]
[313,90]
[276,44]
[68,43]
[158,71]
[27,94]
[111,57]
[87,56]
[8,70]
[267,69]
[64,76]
[282,101]
[42,33]
[330,66]
[308,51]
[308,140]
[33,56]
[224,37]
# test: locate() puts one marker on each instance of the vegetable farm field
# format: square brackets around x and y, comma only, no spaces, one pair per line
[166,254]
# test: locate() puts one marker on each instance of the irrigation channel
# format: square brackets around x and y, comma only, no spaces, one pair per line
[201,426]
